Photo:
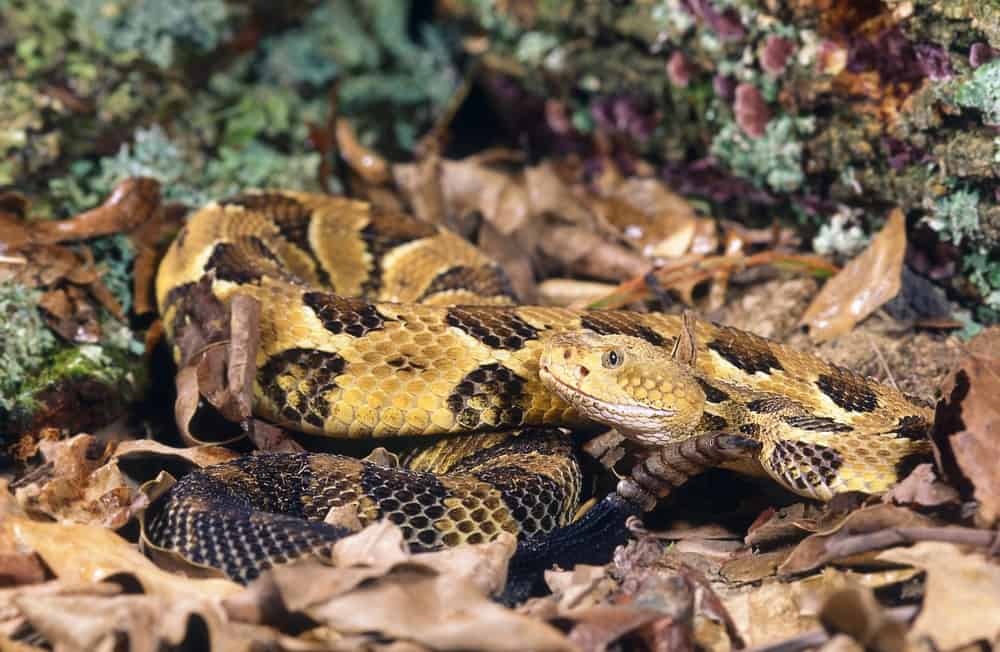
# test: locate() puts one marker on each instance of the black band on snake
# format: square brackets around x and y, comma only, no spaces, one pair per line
[375,325]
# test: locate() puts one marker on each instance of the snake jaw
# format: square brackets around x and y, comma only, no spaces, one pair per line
[643,423]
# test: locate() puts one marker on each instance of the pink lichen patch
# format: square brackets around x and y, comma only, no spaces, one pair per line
[679,69]
[775,53]
[752,112]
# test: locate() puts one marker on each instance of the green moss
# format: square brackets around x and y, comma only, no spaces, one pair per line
[982,92]
[774,160]
[110,366]
[25,341]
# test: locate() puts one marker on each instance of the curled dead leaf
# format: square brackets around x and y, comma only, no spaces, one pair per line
[89,553]
[865,283]
[855,611]
[132,202]
[440,599]
[838,542]
[967,423]
[962,594]
[366,162]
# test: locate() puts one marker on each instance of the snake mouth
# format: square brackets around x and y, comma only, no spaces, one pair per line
[603,410]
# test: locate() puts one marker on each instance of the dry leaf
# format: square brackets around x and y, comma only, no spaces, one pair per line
[922,488]
[439,599]
[88,553]
[855,611]
[968,420]
[200,456]
[549,194]
[962,594]
[364,161]
[68,312]
[862,286]
[822,547]
[99,617]
[82,487]
[132,202]
[586,253]
[663,223]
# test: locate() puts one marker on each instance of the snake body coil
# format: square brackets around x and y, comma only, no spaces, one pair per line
[377,325]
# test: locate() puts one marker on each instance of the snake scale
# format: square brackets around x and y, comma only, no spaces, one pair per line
[376,325]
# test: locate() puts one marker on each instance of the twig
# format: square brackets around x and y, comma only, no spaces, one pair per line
[808,640]
[900,535]
[885,365]
[13,260]
[433,140]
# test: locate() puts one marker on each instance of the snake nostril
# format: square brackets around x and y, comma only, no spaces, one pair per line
[584,371]
[566,354]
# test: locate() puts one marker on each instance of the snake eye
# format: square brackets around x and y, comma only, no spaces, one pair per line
[612,359]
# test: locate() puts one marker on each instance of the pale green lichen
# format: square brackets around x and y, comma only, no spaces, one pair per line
[773,160]
[533,47]
[151,154]
[25,341]
[381,66]
[154,30]
[114,255]
[841,235]
[956,215]
[982,91]
[983,271]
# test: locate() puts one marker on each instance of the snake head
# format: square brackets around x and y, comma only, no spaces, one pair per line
[624,382]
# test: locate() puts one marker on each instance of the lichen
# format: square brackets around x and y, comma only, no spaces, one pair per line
[114,254]
[25,341]
[154,30]
[842,235]
[983,271]
[773,160]
[982,92]
[382,68]
[956,215]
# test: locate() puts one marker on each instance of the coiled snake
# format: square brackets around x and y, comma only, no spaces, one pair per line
[375,325]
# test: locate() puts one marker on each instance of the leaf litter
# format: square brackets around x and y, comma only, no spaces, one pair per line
[769,571]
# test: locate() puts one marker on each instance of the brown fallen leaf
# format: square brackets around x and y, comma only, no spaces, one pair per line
[147,449]
[82,486]
[439,599]
[865,283]
[922,488]
[967,423]
[90,553]
[13,623]
[363,160]
[18,566]
[550,194]
[69,313]
[781,525]
[101,616]
[661,223]
[590,254]
[962,594]
[569,292]
[855,611]
[218,351]
[132,202]
[827,545]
